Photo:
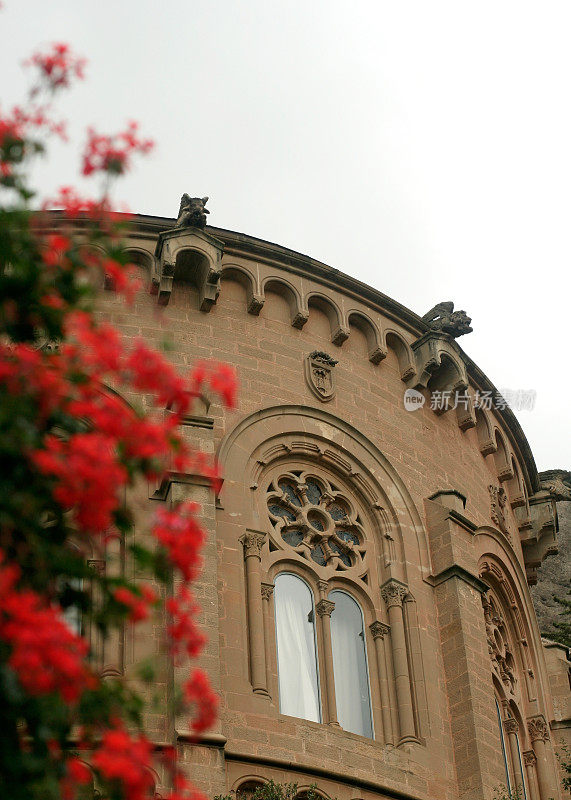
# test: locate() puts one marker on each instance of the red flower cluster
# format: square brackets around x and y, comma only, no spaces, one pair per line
[87,476]
[112,154]
[58,65]
[80,445]
[182,536]
[183,631]
[45,654]
[126,761]
[138,605]
[16,131]
[203,700]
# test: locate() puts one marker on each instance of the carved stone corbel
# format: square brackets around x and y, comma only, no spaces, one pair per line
[339,335]
[198,253]
[538,730]
[440,363]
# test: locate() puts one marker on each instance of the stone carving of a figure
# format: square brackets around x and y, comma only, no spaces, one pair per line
[192,212]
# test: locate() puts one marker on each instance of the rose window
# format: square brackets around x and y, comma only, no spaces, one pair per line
[316,519]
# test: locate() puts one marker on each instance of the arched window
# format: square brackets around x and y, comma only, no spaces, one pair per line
[295,636]
[350,665]
[504,751]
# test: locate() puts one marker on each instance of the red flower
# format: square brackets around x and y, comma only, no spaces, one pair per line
[112,154]
[182,537]
[126,761]
[58,65]
[203,699]
[46,654]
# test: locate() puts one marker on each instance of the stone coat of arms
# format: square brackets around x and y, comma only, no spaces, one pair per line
[319,374]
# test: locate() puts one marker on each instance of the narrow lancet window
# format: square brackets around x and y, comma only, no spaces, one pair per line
[350,665]
[295,635]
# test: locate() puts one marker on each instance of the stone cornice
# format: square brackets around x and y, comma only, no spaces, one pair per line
[142,226]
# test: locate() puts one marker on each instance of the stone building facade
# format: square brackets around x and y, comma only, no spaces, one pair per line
[366,577]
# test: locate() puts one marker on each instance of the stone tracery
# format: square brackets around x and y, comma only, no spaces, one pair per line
[315,519]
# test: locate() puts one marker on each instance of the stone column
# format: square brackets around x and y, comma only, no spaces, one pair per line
[539,735]
[511,728]
[378,631]
[393,594]
[253,543]
[530,762]
[324,610]
[267,594]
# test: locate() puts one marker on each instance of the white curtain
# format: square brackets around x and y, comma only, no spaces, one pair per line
[295,634]
[350,666]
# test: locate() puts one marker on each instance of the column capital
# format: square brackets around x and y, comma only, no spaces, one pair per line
[393,592]
[537,727]
[529,758]
[252,543]
[325,607]
[267,590]
[379,630]
[510,725]
[323,587]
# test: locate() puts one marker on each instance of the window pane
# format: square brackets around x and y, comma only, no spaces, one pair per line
[350,666]
[295,634]
[502,741]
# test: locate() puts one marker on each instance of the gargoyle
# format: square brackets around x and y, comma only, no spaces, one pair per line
[443,318]
[192,212]
[557,482]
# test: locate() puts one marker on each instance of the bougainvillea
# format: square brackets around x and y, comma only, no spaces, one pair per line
[70,449]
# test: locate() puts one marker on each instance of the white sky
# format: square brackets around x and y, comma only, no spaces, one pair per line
[422,147]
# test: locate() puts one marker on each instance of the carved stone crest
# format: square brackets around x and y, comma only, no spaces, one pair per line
[443,318]
[192,212]
[319,374]
[498,500]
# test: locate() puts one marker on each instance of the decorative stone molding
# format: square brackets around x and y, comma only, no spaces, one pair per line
[299,319]
[529,758]
[393,593]
[325,607]
[267,591]
[538,730]
[319,374]
[498,501]
[255,304]
[501,656]
[339,335]
[252,544]
[379,630]
[510,725]
[443,318]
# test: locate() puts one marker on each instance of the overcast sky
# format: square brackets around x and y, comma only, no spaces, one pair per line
[422,147]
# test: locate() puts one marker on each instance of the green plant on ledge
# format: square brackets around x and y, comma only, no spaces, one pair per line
[273,791]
